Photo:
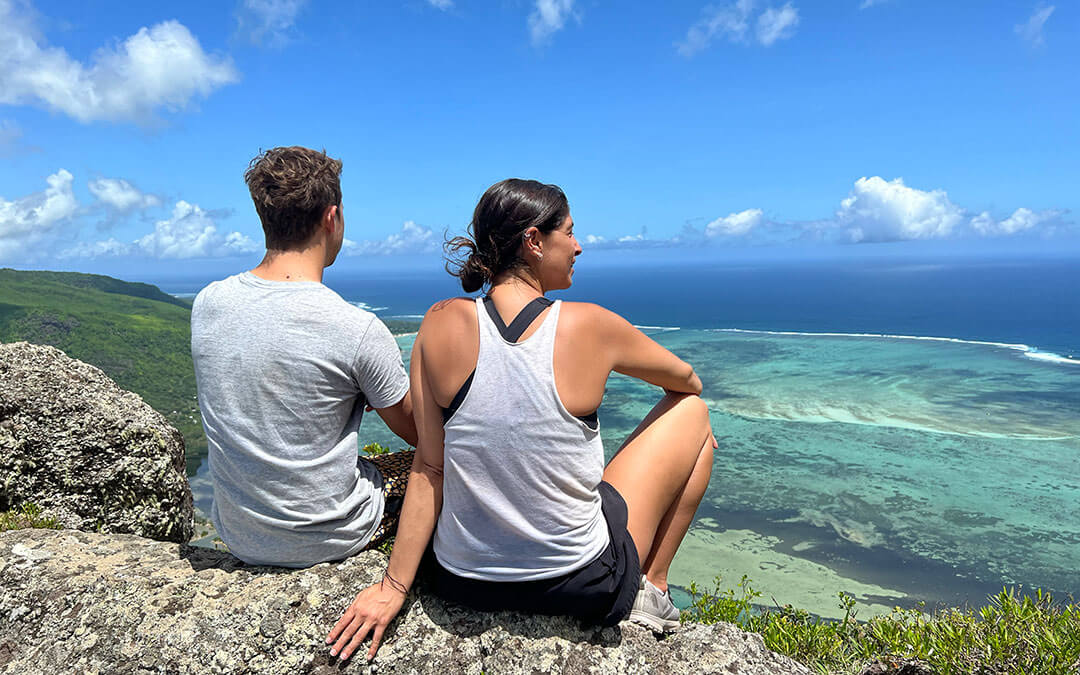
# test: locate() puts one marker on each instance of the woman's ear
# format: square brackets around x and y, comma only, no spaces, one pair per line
[530,240]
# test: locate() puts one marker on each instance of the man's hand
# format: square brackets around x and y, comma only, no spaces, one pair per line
[372,611]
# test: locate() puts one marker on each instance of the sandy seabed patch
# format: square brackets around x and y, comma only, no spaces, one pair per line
[788,579]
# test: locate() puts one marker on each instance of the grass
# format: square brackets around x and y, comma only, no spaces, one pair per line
[1014,633]
[26,516]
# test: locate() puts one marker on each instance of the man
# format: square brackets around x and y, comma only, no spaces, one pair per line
[284,368]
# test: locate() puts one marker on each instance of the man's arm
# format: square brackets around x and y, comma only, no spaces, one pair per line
[399,418]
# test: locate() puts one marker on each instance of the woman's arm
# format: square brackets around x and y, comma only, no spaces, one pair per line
[377,605]
[635,354]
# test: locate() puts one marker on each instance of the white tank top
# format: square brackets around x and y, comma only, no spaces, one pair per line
[520,473]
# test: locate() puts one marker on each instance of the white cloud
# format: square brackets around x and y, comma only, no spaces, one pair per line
[595,240]
[441,4]
[733,22]
[108,248]
[1031,30]
[735,224]
[870,3]
[1022,220]
[777,24]
[120,196]
[191,233]
[412,238]
[880,210]
[548,17]
[162,67]
[730,21]
[28,220]
[268,21]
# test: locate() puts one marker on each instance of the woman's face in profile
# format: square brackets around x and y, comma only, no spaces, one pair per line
[560,249]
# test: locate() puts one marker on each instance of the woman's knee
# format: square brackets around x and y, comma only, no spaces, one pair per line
[693,407]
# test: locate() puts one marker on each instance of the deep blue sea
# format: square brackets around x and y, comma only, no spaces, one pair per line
[902,430]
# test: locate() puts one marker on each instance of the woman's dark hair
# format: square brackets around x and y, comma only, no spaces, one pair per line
[506,210]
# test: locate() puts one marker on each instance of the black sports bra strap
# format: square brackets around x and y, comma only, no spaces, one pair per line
[459,397]
[522,321]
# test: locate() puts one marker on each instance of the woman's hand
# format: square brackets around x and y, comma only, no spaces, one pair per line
[372,611]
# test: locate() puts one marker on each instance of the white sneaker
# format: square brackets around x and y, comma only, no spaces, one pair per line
[654,609]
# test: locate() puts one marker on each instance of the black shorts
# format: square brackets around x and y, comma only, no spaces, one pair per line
[601,592]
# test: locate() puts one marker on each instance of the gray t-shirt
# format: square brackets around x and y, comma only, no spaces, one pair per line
[283,372]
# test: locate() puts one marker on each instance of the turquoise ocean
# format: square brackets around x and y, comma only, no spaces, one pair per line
[903,431]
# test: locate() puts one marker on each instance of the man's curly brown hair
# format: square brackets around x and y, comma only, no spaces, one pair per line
[291,188]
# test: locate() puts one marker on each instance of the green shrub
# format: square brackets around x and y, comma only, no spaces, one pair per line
[1014,633]
[375,449]
[27,515]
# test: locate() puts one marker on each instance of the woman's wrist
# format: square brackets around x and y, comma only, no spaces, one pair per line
[393,583]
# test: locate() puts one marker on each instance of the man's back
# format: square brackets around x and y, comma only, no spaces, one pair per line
[284,369]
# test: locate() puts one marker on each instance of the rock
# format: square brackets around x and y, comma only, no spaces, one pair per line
[84,602]
[90,454]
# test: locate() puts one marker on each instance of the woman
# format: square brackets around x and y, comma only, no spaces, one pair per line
[509,461]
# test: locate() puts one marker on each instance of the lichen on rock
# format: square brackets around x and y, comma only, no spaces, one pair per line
[90,454]
[83,602]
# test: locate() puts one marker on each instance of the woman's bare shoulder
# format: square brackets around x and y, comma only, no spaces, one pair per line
[590,314]
[449,313]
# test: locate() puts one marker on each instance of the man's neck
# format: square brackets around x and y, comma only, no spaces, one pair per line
[305,265]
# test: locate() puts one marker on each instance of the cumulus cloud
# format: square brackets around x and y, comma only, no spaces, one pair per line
[28,220]
[121,197]
[880,210]
[441,4]
[1022,220]
[1032,29]
[269,21]
[777,24]
[191,233]
[733,22]
[735,224]
[412,238]
[547,18]
[161,67]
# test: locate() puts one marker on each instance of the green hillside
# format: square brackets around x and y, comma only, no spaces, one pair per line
[138,335]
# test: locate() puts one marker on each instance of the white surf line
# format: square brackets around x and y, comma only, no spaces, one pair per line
[665,328]
[1027,350]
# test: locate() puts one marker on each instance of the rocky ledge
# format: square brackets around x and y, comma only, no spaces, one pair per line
[91,603]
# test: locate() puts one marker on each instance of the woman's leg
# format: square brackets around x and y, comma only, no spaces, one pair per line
[662,471]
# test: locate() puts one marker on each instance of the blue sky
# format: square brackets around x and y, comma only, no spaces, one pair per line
[796,127]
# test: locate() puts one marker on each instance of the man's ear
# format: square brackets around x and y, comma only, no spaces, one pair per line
[330,218]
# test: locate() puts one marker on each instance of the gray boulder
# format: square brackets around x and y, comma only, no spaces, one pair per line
[92,455]
[91,603]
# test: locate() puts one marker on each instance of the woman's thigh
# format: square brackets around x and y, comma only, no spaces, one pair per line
[653,465]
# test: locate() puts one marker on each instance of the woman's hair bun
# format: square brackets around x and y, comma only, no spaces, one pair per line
[465,262]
